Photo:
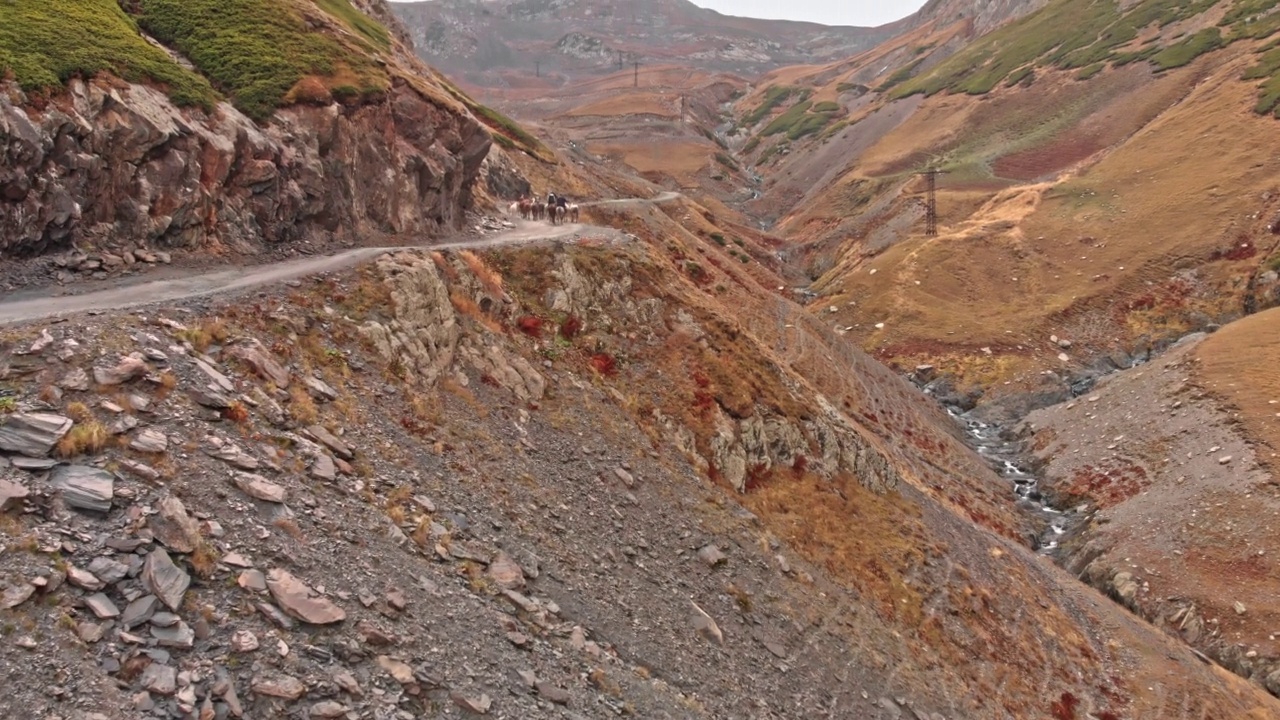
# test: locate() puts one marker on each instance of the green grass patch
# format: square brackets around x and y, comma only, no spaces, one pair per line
[1088,34]
[798,121]
[826,106]
[258,50]
[774,96]
[902,75]
[751,145]
[357,21]
[45,43]
[1189,49]
[1088,72]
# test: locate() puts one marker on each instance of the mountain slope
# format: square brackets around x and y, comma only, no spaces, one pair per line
[214,126]
[1107,183]
[553,42]
[533,460]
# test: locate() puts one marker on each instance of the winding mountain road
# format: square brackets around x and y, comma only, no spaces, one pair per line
[233,279]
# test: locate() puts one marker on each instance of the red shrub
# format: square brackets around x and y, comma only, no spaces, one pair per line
[1065,707]
[604,364]
[530,325]
[799,465]
[570,328]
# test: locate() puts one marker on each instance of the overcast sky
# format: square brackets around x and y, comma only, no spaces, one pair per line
[828,12]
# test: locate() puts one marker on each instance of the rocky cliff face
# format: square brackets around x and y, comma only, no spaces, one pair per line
[109,164]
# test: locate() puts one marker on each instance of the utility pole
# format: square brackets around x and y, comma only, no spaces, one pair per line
[619,59]
[682,109]
[636,81]
[931,201]
[537,68]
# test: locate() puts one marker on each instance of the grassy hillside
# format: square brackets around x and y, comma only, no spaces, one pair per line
[260,53]
[259,50]
[1090,34]
[45,44]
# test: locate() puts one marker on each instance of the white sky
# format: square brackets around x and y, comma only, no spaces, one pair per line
[869,13]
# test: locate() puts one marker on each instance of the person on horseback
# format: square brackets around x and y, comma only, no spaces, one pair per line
[561,201]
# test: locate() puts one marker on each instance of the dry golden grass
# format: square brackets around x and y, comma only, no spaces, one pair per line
[48,394]
[489,278]
[302,408]
[236,412]
[168,381]
[84,438]
[1238,364]
[10,525]
[289,527]
[815,517]
[468,308]
[442,264]
[204,561]
[206,333]
[79,412]
[629,103]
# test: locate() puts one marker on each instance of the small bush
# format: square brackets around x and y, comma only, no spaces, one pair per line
[604,364]
[83,439]
[530,325]
[718,238]
[570,327]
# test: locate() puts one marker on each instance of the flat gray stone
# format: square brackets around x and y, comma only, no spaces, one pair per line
[12,494]
[150,441]
[297,599]
[32,434]
[29,463]
[333,442]
[101,606]
[108,570]
[259,488]
[174,527]
[15,595]
[160,679]
[139,611]
[84,487]
[164,579]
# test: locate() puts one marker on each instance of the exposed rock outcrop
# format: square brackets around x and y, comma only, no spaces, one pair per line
[122,167]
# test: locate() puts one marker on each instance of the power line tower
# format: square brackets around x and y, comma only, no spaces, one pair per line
[931,200]
[636,81]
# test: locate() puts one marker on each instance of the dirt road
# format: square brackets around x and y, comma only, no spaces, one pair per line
[233,279]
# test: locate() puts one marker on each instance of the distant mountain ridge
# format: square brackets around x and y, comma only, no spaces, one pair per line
[500,42]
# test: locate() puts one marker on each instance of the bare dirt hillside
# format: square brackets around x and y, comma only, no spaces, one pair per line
[1173,462]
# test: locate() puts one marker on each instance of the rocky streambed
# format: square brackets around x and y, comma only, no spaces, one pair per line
[1012,460]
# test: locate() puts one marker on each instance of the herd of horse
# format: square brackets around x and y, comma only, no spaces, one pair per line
[556,209]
